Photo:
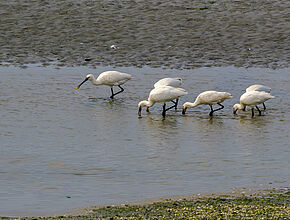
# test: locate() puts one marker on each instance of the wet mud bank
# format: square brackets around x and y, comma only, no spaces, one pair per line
[171,34]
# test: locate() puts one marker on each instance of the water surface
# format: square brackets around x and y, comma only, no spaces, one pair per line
[63,149]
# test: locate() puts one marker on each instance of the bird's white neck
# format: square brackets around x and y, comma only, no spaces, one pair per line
[241,106]
[191,104]
[146,103]
[94,81]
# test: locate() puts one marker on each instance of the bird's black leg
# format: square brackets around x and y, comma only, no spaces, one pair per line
[244,109]
[112,96]
[170,108]
[253,114]
[211,112]
[219,108]
[260,113]
[175,103]
[264,106]
[164,110]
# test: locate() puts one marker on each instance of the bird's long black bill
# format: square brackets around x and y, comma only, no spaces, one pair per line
[81,83]
[183,111]
[139,111]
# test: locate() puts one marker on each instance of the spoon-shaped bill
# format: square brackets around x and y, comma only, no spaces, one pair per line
[184,110]
[139,110]
[82,83]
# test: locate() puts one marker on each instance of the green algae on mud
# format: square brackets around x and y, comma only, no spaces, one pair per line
[272,205]
[222,208]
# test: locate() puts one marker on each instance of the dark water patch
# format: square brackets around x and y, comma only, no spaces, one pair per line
[173,34]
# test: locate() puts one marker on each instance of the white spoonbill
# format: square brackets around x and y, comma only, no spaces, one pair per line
[252,99]
[258,87]
[108,78]
[208,98]
[162,95]
[174,82]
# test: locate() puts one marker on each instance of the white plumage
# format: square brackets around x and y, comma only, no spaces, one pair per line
[258,87]
[162,95]
[174,82]
[252,99]
[208,98]
[108,78]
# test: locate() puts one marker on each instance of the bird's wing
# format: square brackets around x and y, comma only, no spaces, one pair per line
[216,97]
[258,88]
[112,77]
[255,97]
[213,97]
[178,92]
[166,93]
[174,82]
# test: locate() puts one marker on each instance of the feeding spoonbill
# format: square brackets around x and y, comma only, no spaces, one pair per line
[252,99]
[162,95]
[258,87]
[108,78]
[174,82]
[208,98]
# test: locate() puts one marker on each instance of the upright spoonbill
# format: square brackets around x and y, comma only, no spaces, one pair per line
[258,87]
[174,82]
[162,95]
[252,99]
[108,78]
[208,98]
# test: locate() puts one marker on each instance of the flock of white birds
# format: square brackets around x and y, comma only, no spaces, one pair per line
[168,90]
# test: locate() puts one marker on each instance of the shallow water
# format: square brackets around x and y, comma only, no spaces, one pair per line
[61,150]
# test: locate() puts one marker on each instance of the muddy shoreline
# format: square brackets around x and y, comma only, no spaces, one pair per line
[237,203]
[178,35]
[235,193]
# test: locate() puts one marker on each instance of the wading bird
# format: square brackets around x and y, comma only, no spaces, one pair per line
[162,95]
[108,78]
[174,82]
[258,87]
[208,98]
[252,99]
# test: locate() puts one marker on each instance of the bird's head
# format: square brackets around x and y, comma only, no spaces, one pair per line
[179,79]
[88,77]
[141,105]
[229,95]
[237,107]
[184,107]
